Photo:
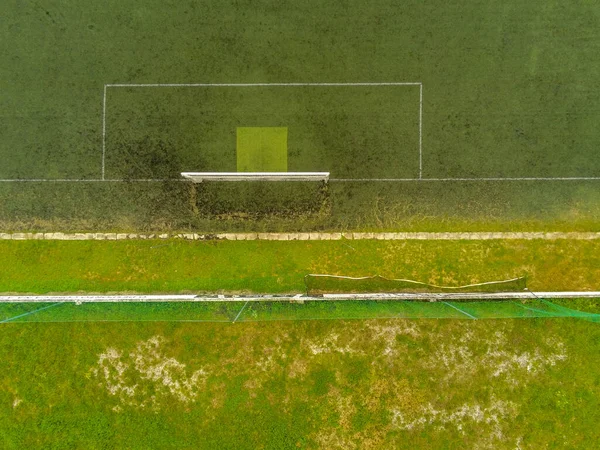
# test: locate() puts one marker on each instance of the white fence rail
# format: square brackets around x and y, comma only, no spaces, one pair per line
[433,297]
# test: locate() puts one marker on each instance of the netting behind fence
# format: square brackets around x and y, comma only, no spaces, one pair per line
[257,311]
[324,284]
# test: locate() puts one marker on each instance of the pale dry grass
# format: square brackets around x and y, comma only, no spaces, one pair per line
[449,359]
[158,378]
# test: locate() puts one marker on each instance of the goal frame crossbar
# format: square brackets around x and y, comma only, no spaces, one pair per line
[199,177]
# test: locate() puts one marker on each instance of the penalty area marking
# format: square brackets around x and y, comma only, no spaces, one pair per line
[402,180]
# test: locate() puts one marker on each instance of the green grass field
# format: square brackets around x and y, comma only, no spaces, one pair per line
[286,384]
[508,91]
[262,149]
[503,89]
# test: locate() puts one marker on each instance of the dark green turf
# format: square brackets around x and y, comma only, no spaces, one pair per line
[508,90]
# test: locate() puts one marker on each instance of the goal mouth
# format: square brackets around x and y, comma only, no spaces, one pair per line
[199,177]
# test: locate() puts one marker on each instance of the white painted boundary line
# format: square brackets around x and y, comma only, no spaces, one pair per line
[467,179]
[382,236]
[344,180]
[430,297]
[103,130]
[420,178]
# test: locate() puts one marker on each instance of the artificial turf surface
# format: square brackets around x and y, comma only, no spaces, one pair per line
[508,91]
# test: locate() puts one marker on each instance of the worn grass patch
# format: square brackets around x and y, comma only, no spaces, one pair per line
[331,384]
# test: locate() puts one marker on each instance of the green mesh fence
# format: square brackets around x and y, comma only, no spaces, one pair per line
[256,311]
[326,284]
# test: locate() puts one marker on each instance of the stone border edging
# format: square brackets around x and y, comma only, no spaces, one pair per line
[316,236]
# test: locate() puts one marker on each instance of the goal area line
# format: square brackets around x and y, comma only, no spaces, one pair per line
[267,85]
[341,180]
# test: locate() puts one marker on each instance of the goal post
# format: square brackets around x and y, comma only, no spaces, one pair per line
[199,177]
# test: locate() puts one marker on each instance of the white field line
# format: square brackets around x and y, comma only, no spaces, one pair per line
[415,83]
[420,131]
[318,236]
[467,179]
[103,129]
[342,180]
[431,297]
[89,180]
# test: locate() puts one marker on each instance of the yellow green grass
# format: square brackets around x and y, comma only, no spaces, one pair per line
[303,384]
[329,384]
[279,267]
[262,149]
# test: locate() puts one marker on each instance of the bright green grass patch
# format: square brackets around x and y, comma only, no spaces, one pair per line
[262,149]
[280,267]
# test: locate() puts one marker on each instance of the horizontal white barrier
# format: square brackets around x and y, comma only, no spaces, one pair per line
[296,298]
[199,177]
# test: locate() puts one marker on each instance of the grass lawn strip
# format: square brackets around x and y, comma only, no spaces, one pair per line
[279,267]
